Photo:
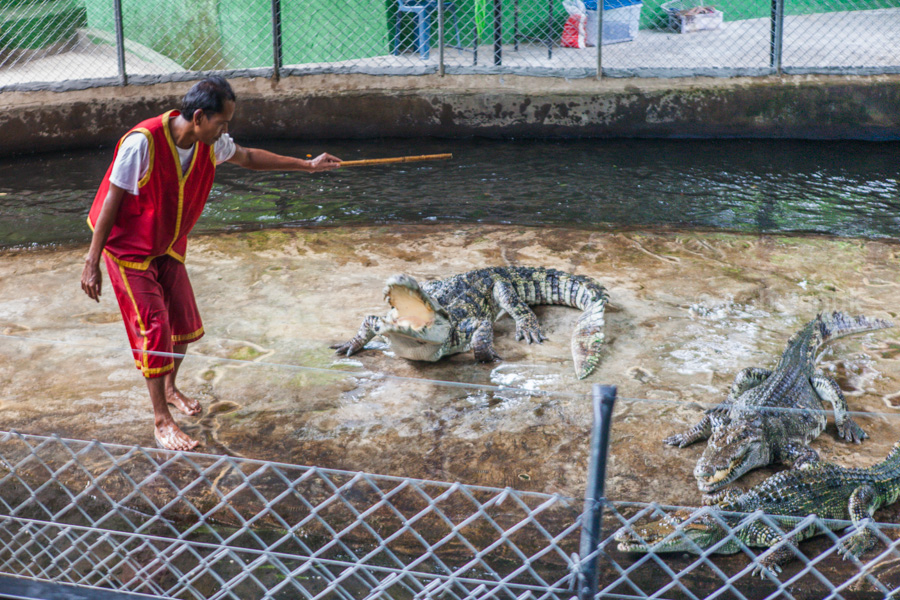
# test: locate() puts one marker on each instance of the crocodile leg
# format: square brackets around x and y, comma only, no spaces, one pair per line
[862,505]
[527,327]
[797,455]
[700,431]
[365,334]
[780,549]
[747,379]
[483,342]
[828,391]
[773,561]
[723,498]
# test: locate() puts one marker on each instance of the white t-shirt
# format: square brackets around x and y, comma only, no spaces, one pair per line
[133,159]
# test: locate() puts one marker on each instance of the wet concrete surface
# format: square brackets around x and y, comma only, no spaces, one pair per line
[687,312]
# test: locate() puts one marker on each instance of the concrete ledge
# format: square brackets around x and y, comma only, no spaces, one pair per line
[362,106]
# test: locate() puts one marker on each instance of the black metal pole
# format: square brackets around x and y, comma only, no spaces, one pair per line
[777,35]
[498,32]
[516,24]
[277,53]
[604,396]
[120,41]
[549,29]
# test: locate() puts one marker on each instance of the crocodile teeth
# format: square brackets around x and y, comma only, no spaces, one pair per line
[719,476]
[632,547]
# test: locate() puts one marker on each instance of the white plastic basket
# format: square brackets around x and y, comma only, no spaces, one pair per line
[689,23]
[619,24]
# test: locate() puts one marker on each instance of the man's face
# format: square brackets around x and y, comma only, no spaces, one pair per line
[210,127]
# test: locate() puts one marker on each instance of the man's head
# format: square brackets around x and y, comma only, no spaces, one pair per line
[209,106]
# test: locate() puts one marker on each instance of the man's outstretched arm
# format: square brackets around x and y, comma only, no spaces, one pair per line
[263,160]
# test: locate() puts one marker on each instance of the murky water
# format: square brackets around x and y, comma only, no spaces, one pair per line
[841,188]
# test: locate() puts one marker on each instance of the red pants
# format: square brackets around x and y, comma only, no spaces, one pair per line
[159,311]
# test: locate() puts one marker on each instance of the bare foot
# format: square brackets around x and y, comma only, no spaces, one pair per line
[170,437]
[182,403]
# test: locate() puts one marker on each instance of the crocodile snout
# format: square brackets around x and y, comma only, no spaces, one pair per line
[703,471]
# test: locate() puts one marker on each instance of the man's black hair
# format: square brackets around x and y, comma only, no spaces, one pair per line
[208,95]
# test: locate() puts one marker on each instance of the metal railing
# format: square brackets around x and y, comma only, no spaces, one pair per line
[66,44]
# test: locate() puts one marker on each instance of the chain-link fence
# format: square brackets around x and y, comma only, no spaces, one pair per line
[76,43]
[200,526]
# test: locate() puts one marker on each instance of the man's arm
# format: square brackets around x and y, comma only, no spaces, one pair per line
[91,278]
[263,160]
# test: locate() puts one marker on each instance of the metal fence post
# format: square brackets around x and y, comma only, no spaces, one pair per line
[777,35]
[599,39]
[440,10]
[277,52]
[604,396]
[120,41]
[498,32]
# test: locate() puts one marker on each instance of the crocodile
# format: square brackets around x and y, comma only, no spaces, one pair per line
[830,492]
[770,416]
[437,318]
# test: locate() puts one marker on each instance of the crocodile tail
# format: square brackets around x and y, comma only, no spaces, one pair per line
[588,338]
[838,324]
[894,455]
[550,286]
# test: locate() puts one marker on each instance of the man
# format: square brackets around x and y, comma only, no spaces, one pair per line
[151,197]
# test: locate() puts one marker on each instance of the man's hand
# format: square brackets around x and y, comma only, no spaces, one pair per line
[263,160]
[324,162]
[91,280]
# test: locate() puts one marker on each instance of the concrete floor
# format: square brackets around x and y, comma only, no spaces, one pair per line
[687,312]
[851,39]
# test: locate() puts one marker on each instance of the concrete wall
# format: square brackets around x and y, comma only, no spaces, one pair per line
[357,106]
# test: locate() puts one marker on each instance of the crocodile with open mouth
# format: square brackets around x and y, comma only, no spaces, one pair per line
[829,491]
[771,416]
[447,316]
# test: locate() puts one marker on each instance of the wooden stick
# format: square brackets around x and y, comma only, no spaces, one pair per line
[398,159]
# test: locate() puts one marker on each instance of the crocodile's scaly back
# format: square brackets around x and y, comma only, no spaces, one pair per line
[804,345]
[447,316]
[822,488]
[535,286]
[831,492]
[771,416]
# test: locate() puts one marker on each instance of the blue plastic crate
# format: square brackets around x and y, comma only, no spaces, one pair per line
[610,4]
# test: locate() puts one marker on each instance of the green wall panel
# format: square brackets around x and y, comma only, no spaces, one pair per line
[33,25]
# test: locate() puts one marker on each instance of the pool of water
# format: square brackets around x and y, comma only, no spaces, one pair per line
[766,186]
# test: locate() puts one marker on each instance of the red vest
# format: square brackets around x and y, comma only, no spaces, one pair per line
[157,220]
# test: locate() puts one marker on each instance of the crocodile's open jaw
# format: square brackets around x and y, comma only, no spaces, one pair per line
[416,325]
[723,477]
[679,531]
[409,309]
